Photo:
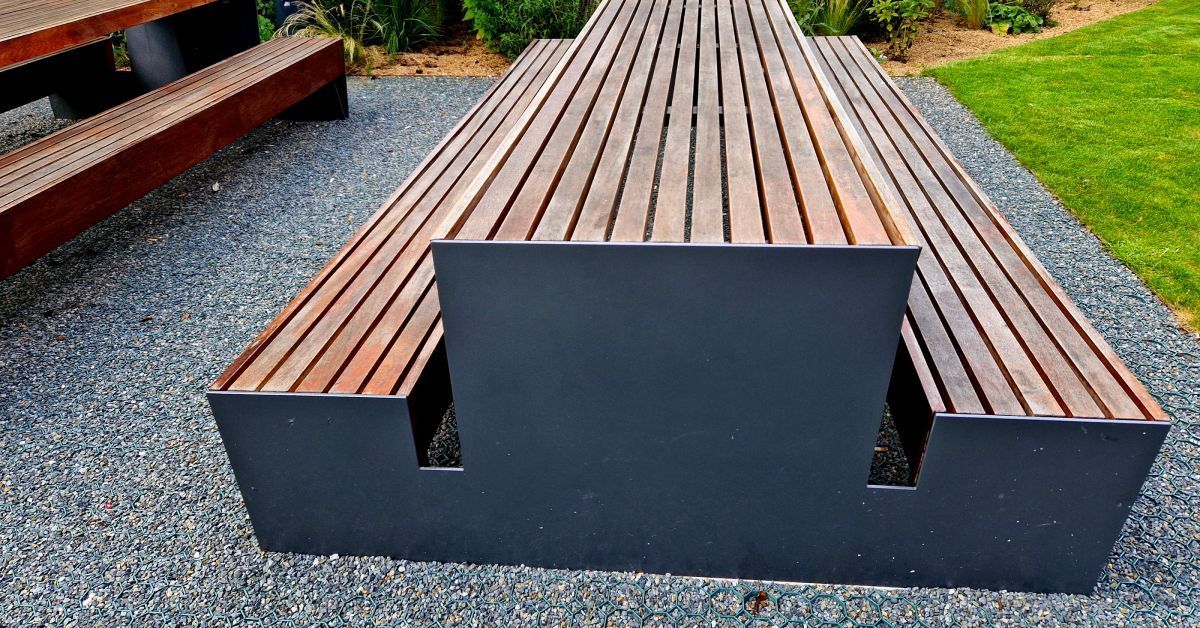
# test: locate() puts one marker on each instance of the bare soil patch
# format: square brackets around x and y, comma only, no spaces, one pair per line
[944,38]
[460,54]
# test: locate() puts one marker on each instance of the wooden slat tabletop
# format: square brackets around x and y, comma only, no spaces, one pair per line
[682,121]
[34,28]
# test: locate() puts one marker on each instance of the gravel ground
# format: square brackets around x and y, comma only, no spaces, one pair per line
[117,504]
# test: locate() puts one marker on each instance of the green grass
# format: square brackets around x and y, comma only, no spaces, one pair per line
[1108,117]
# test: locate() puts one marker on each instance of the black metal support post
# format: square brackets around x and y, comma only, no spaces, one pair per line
[81,81]
[168,49]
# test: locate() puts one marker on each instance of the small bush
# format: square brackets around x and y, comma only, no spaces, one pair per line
[1040,8]
[901,20]
[1010,18]
[397,25]
[974,12]
[827,17]
[808,14]
[507,26]
[266,19]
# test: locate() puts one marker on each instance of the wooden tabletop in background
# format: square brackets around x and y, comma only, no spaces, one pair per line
[34,28]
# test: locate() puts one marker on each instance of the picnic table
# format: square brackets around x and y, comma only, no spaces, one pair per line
[664,272]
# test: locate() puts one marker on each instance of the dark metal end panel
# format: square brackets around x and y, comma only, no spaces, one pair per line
[318,473]
[1020,503]
[673,408]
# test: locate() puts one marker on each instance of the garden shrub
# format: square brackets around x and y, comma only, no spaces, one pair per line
[1040,8]
[397,25]
[808,14]
[973,12]
[900,20]
[507,26]
[827,17]
[266,19]
[1011,18]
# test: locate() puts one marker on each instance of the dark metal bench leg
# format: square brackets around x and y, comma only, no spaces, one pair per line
[328,103]
[166,50]
[81,82]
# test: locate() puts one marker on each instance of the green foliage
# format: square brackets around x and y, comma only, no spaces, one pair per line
[1010,18]
[1108,118]
[808,14]
[827,17]
[509,25]
[973,12]
[900,19]
[1040,8]
[397,25]
[266,19]
[839,17]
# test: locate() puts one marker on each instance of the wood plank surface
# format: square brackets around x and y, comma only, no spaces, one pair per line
[978,286]
[33,28]
[704,121]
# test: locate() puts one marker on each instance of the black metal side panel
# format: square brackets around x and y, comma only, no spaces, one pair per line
[170,48]
[1016,503]
[84,81]
[701,410]
[683,408]
[323,474]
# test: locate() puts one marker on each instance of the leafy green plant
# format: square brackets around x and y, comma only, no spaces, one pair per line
[973,12]
[901,20]
[507,26]
[406,24]
[396,25]
[808,14]
[1010,18]
[266,19]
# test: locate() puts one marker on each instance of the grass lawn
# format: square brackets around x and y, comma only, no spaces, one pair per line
[1108,117]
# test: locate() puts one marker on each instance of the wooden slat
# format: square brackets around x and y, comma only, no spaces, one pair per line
[33,28]
[516,219]
[636,200]
[783,211]
[670,206]
[708,205]
[559,218]
[746,224]
[600,202]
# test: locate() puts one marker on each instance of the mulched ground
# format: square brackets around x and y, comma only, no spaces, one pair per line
[117,504]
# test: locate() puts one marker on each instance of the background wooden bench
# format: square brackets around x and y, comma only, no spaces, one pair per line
[54,188]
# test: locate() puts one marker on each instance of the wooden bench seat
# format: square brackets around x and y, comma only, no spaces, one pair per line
[988,331]
[54,188]
[342,334]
